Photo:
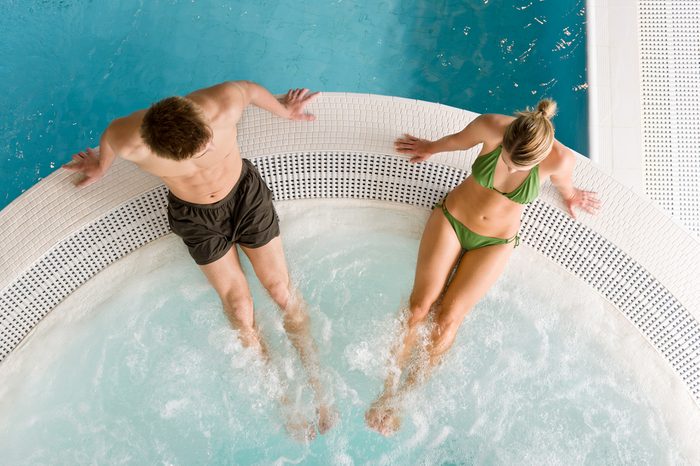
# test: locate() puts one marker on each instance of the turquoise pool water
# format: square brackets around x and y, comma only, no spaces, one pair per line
[69,67]
[139,366]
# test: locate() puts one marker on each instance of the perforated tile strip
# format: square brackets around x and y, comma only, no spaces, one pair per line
[670,72]
[667,325]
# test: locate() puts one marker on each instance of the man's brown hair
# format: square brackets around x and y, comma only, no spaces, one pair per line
[174,128]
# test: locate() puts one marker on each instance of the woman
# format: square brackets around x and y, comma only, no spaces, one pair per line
[473,233]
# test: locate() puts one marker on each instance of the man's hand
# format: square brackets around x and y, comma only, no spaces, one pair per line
[418,148]
[88,164]
[295,100]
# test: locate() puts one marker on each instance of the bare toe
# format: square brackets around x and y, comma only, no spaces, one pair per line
[391,425]
[327,418]
[382,417]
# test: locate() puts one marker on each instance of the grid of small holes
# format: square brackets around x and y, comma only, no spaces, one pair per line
[670,68]
[672,330]
[75,260]
[644,301]
[356,176]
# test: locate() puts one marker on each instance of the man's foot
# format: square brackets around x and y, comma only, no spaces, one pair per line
[383,417]
[327,418]
[295,422]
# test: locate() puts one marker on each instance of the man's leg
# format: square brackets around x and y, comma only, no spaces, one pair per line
[271,269]
[227,278]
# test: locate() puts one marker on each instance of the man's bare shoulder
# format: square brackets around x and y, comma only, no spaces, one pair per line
[224,100]
[124,135]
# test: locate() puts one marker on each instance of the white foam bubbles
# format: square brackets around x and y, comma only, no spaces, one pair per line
[361,358]
[534,375]
[173,407]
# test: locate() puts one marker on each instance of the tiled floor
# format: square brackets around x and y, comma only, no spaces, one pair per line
[616,133]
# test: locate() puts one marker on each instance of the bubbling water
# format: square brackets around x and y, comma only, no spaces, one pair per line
[141,366]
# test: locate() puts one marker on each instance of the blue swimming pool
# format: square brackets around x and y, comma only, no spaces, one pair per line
[69,67]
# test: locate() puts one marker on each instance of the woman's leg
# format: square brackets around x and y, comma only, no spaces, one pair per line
[477,272]
[438,253]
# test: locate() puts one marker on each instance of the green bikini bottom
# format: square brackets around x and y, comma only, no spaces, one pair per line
[470,240]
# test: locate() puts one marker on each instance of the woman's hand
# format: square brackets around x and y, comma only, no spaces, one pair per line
[586,200]
[418,148]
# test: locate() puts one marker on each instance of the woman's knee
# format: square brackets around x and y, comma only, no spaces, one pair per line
[444,334]
[418,308]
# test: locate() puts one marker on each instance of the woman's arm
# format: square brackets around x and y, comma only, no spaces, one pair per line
[473,134]
[561,178]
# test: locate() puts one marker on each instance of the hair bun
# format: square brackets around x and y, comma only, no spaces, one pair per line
[547,107]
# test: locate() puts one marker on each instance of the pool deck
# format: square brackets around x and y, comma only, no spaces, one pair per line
[615,90]
[644,81]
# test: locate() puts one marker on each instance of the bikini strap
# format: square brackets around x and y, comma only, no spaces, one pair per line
[515,239]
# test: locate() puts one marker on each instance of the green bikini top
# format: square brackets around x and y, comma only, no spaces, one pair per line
[484,167]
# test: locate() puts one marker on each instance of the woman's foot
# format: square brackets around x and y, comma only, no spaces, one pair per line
[383,416]
[327,418]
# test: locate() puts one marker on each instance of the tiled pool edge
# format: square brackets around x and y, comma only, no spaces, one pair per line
[665,323]
[642,281]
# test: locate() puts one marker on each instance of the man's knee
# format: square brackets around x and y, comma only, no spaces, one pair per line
[239,308]
[279,291]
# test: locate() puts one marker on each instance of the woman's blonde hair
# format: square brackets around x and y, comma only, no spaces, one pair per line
[529,138]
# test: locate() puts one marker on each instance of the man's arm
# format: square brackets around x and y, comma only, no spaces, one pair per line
[92,163]
[291,106]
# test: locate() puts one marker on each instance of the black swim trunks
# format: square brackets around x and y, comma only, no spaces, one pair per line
[245,216]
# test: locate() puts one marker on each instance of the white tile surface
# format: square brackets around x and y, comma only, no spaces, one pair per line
[622,23]
[605,118]
[632,178]
[605,148]
[600,16]
[627,149]
[617,118]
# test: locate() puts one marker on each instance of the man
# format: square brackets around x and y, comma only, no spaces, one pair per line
[218,200]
